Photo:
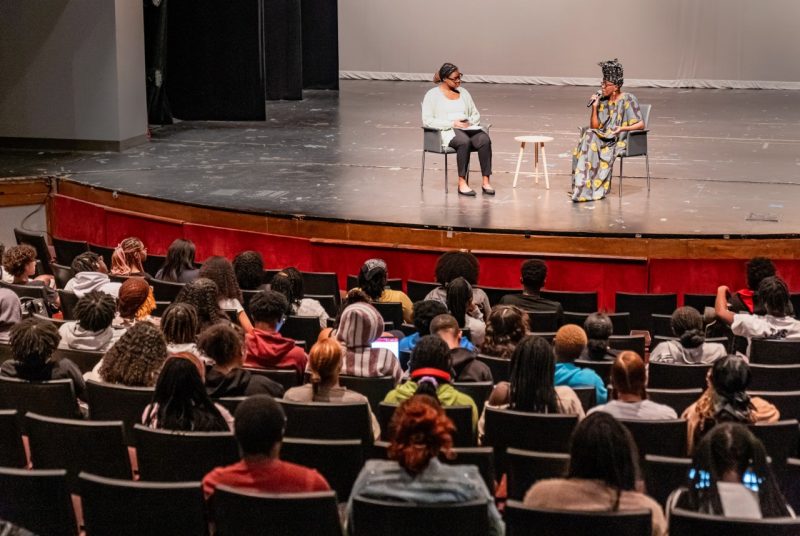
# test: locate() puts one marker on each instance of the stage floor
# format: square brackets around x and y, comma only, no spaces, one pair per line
[719,159]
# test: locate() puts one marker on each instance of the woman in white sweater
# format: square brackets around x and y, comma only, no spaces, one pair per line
[449,108]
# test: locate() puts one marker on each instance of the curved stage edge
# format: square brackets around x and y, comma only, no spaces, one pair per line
[576,262]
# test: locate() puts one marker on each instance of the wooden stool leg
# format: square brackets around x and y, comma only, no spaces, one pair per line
[519,161]
[536,163]
[544,164]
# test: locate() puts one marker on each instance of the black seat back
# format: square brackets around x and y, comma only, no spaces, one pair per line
[663,475]
[323,283]
[39,243]
[542,321]
[286,377]
[394,284]
[661,438]
[683,522]
[635,343]
[85,359]
[54,398]
[391,312]
[787,402]
[677,399]
[12,451]
[499,366]
[110,402]
[642,306]
[37,500]
[520,519]
[780,439]
[526,467]
[391,518]
[531,431]
[587,394]
[417,290]
[374,389]
[338,460]
[674,376]
[775,352]
[36,292]
[62,274]
[774,377]
[165,290]
[322,420]
[460,415]
[699,301]
[478,391]
[68,302]
[495,294]
[662,325]
[302,328]
[578,302]
[67,250]
[327,302]
[601,368]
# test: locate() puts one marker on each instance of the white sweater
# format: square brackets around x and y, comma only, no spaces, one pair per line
[434,112]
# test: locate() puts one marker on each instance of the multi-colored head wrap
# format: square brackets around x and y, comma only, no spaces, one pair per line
[612,71]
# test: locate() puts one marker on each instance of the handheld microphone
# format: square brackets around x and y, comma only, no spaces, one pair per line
[598,94]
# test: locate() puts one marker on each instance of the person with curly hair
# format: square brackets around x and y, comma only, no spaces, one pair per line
[746,300]
[289,282]
[202,295]
[568,345]
[92,330]
[91,273]
[455,264]
[599,328]
[691,347]
[135,360]
[179,265]
[533,274]
[505,327]
[465,363]
[135,303]
[420,433]
[229,295]
[128,258]
[248,266]
[179,326]
[33,358]
[20,262]
[266,347]
[372,278]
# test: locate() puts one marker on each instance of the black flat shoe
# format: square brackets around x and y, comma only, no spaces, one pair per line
[487,190]
[468,193]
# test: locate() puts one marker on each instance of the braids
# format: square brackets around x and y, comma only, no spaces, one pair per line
[95,311]
[532,376]
[459,296]
[179,323]
[282,282]
[128,257]
[505,327]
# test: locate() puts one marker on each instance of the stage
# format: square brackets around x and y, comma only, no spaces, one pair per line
[724,163]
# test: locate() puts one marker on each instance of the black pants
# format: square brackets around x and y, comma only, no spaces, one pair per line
[471,140]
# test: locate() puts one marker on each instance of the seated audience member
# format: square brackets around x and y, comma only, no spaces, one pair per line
[424,312]
[202,295]
[420,433]
[248,266]
[454,264]
[731,477]
[461,306]
[180,401]
[531,387]
[259,423]
[135,359]
[629,379]
[534,275]
[224,346]
[466,366]
[33,343]
[355,295]
[691,347]
[598,328]
[776,324]
[20,262]
[128,258]
[568,345]
[229,296]
[10,313]
[289,282]
[746,300]
[505,327]
[726,399]
[179,326]
[266,347]
[430,375]
[91,273]
[372,278]
[602,475]
[361,325]
[135,303]
[179,265]
[324,363]
[92,329]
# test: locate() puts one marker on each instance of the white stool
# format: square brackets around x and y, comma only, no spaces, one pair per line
[537,141]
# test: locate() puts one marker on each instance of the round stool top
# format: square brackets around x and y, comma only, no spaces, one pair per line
[534,139]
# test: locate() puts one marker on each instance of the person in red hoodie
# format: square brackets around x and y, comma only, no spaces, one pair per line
[266,347]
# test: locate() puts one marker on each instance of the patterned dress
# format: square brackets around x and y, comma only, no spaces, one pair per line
[593,158]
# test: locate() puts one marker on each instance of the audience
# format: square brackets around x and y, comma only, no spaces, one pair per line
[602,475]
[568,345]
[598,328]
[224,346]
[361,325]
[629,380]
[135,359]
[465,363]
[420,432]
[128,258]
[135,303]
[372,278]
[691,347]
[20,262]
[266,347]
[180,401]
[726,399]
[179,326]
[202,295]
[731,477]
[324,364]
[461,305]
[289,282]
[505,327]
[10,313]
[430,375]
[424,313]
[229,296]
[33,343]
[258,426]
[248,266]
[179,265]
[91,273]
[534,275]
[454,264]
[746,300]
[92,330]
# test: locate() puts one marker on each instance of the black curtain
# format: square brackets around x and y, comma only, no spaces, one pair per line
[320,20]
[155,57]
[283,50]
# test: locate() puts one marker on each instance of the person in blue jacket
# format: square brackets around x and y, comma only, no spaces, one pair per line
[568,345]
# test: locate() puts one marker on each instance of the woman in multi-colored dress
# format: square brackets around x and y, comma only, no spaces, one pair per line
[613,112]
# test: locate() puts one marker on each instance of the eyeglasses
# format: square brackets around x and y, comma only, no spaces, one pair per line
[456,78]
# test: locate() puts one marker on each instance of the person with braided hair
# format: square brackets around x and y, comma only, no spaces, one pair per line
[613,113]
[91,273]
[505,327]
[135,303]
[691,347]
[461,305]
[179,326]
[128,258]
[289,282]
[93,328]
[229,295]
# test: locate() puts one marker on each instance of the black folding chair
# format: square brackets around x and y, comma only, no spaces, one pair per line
[500,367]
[699,301]
[601,368]
[12,451]
[85,359]
[338,460]
[166,290]
[664,474]
[682,522]
[67,250]
[391,312]
[460,415]
[322,420]
[478,391]
[112,402]
[286,377]
[543,321]
[54,398]
[662,325]
[677,399]
[787,402]
[68,302]
[660,438]
[302,328]
[323,283]
[520,519]
[587,394]
[495,294]
[417,290]
[642,306]
[393,518]
[635,343]
[62,274]
[394,284]
[37,500]
[775,352]
[674,376]
[375,389]
[774,377]
[526,467]
[579,302]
